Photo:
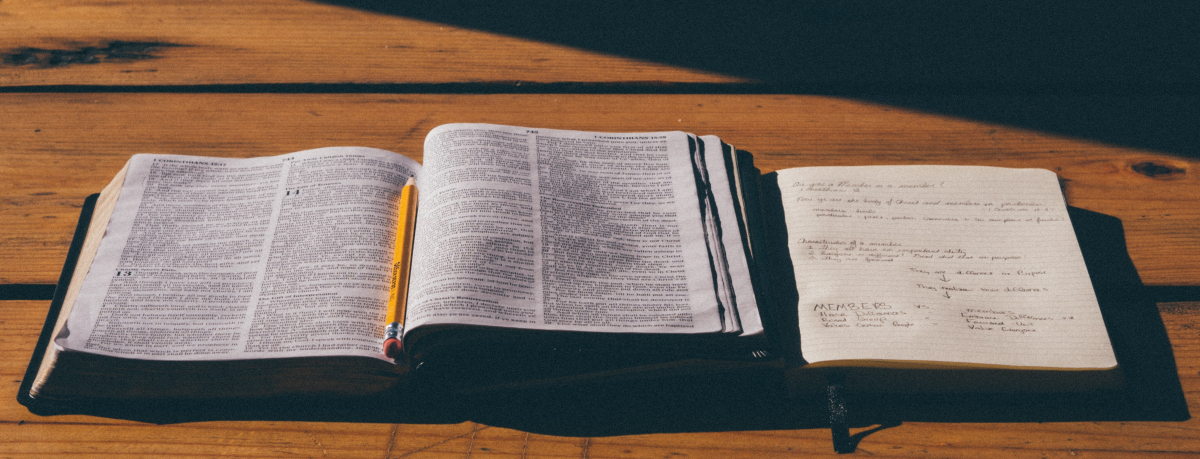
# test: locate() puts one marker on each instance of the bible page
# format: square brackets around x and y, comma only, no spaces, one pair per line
[560,230]
[730,249]
[222,259]
[957,264]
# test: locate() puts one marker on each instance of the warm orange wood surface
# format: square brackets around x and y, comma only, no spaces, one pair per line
[57,147]
[283,41]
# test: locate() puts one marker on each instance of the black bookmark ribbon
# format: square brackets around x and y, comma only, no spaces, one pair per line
[838,426]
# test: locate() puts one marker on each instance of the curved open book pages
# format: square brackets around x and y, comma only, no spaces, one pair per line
[207,260]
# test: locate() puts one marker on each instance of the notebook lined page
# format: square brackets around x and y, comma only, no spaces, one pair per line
[959,264]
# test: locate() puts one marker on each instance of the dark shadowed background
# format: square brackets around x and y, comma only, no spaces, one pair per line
[1125,73]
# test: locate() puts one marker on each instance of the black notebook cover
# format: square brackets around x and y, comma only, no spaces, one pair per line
[60,293]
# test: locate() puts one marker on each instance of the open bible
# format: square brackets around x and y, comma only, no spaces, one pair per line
[547,255]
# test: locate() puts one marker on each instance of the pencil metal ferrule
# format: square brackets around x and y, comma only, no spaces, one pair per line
[393,330]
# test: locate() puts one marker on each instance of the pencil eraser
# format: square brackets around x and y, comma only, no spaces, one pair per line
[391,348]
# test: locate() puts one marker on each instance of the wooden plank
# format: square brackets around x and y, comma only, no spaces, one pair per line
[61,147]
[28,435]
[282,41]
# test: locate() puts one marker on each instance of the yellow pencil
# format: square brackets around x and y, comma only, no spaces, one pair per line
[401,265]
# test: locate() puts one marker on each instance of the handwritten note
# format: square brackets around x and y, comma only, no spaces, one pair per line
[956,264]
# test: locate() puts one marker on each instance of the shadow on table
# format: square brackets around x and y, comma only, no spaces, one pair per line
[1151,392]
[756,399]
[1122,73]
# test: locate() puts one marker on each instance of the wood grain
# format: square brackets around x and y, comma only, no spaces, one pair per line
[61,147]
[28,435]
[282,41]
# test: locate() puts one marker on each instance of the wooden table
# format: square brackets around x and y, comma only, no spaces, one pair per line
[84,85]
